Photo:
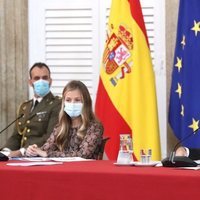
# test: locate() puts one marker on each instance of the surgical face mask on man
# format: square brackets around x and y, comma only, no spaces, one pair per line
[73,109]
[41,87]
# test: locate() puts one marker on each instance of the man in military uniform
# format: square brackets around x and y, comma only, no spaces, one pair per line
[37,117]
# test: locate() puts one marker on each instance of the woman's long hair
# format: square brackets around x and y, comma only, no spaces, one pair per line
[65,121]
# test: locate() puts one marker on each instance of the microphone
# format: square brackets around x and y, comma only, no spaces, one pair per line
[2,156]
[12,123]
[179,161]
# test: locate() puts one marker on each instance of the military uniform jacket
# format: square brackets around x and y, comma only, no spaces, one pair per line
[36,125]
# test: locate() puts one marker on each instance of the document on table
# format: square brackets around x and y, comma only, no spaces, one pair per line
[31,159]
[69,159]
[58,159]
[26,164]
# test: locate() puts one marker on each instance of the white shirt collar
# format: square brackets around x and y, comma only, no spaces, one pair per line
[39,99]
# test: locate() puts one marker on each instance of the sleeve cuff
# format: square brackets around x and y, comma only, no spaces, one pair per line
[5,151]
[22,150]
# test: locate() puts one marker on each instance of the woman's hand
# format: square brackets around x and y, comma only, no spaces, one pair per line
[33,151]
[40,152]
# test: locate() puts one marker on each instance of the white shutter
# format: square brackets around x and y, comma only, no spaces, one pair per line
[68,40]
[148,14]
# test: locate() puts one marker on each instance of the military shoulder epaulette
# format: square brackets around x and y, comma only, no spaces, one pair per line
[25,102]
[28,100]
[23,105]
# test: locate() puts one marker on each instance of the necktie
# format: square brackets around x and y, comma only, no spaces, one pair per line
[36,103]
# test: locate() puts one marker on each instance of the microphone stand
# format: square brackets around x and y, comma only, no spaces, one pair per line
[172,154]
[12,123]
[171,157]
[179,161]
[2,156]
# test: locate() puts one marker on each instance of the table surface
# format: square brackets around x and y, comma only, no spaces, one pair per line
[97,180]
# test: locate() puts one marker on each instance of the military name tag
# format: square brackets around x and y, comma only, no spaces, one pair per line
[41,114]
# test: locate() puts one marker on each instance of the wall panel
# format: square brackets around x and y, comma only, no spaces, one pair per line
[13,60]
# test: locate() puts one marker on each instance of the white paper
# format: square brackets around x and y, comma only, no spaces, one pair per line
[69,159]
[26,164]
[32,159]
[57,159]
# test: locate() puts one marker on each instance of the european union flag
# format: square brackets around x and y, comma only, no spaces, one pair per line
[184,107]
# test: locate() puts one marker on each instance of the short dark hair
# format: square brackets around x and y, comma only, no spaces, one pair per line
[40,65]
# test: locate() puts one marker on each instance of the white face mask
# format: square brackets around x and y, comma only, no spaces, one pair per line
[73,109]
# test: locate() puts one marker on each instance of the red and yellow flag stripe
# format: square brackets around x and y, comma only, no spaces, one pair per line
[126,98]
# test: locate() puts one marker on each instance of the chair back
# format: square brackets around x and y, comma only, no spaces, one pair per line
[102,147]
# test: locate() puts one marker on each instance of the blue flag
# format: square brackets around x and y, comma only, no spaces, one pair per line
[184,107]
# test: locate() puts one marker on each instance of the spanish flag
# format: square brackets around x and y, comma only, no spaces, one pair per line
[126,96]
